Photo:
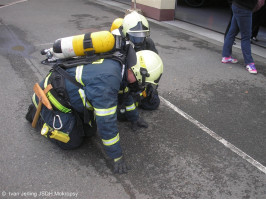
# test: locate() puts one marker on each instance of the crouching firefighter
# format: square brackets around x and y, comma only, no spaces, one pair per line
[85,94]
[135,28]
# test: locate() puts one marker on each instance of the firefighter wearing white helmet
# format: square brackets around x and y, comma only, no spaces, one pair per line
[135,28]
[149,68]
[147,71]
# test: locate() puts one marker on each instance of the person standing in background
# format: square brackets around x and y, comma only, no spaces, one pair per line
[242,21]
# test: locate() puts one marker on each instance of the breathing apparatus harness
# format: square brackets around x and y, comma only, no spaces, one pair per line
[123,52]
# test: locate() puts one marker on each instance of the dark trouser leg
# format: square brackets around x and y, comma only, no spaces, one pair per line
[230,38]
[244,21]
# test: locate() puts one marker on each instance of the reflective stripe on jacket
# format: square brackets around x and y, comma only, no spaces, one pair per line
[129,103]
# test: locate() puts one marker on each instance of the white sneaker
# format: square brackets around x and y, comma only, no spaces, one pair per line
[229,60]
[251,68]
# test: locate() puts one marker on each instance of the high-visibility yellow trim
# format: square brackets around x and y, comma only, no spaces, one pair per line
[79,71]
[53,100]
[57,104]
[123,91]
[86,103]
[117,159]
[111,141]
[34,100]
[142,62]
[131,107]
[105,112]
[100,61]
[46,79]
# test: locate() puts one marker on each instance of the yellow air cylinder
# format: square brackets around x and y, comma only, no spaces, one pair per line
[79,45]
[116,24]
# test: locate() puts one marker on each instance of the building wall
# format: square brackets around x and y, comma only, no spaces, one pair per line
[161,10]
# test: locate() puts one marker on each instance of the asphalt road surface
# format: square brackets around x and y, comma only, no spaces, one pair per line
[206,140]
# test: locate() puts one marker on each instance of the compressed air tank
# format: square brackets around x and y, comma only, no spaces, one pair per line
[85,44]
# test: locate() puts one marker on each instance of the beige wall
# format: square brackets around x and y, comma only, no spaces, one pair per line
[159,4]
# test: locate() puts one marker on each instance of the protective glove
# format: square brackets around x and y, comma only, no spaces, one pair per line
[140,123]
[149,89]
[152,94]
[120,166]
[121,113]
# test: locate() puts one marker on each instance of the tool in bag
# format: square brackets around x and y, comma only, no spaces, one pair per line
[41,94]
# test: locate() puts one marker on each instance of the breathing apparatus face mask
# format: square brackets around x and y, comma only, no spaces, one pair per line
[138,37]
[137,41]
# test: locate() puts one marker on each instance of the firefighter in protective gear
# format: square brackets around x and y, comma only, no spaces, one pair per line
[147,72]
[100,83]
[149,68]
[135,27]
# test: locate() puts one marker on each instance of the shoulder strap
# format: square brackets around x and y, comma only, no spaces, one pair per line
[66,75]
[87,115]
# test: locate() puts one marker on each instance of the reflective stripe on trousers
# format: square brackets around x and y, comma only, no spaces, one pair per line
[111,141]
[105,112]
[131,107]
